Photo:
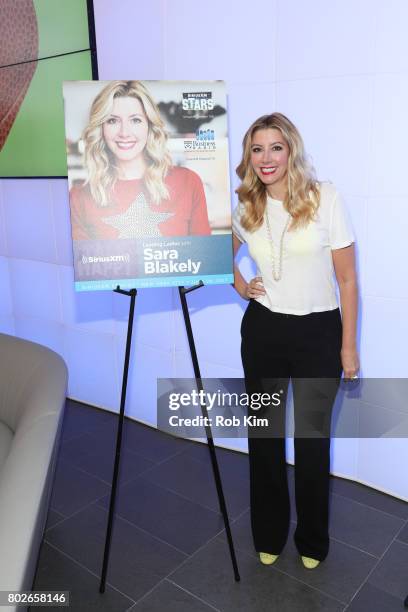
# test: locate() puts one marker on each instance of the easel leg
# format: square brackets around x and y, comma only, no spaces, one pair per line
[132,294]
[182,292]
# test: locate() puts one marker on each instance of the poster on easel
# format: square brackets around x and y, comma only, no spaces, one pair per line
[149,185]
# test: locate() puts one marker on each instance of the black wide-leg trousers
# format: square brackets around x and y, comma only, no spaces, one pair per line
[275,348]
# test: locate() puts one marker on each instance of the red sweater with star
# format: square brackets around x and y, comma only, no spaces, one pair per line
[185,211]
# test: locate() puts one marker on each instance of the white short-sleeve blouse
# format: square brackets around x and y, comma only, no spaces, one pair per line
[307,281]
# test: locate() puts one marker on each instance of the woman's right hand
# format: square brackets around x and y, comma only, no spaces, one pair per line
[255,288]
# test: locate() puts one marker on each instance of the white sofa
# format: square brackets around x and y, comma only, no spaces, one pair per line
[33,383]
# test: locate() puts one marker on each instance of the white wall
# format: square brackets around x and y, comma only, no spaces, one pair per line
[339,71]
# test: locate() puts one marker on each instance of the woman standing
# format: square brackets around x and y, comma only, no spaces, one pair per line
[132,189]
[299,235]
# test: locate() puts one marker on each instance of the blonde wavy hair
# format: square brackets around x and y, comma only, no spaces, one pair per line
[303,194]
[100,161]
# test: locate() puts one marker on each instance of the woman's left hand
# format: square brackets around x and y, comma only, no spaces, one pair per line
[350,362]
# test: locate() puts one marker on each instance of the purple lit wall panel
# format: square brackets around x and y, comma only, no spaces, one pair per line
[147,364]
[334,124]
[28,219]
[130,39]
[35,289]
[85,311]
[60,203]
[3,240]
[320,39]
[93,370]
[47,332]
[391,42]
[222,40]
[386,265]
[6,306]
[388,157]
[154,323]
[7,325]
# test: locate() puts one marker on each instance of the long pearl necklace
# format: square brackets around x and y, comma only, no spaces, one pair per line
[276,275]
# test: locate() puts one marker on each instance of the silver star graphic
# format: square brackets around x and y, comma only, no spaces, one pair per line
[139,220]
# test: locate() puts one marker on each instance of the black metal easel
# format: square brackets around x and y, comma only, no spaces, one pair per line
[132,293]
[183,291]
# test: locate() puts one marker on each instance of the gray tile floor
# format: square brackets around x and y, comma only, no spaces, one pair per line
[169,550]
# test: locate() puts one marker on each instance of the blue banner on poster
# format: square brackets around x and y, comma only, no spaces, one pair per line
[104,264]
[148,173]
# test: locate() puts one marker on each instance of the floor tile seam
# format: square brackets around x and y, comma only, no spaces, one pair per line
[183,441]
[375,567]
[365,552]
[193,595]
[90,427]
[155,537]
[93,501]
[368,506]
[165,579]
[129,449]
[148,533]
[218,513]
[142,426]
[353,547]
[362,485]
[52,509]
[74,513]
[241,514]
[75,467]
[376,587]
[154,464]
[218,457]
[208,462]
[121,463]
[365,581]
[395,538]
[149,592]
[109,584]
[199,549]
[197,462]
[181,565]
[79,436]
[220,449]
[121,481]
[244,552]
[125,520]
[219,461]
[339,601]
[65,440]
[55,525]
[138,454]
[101,480]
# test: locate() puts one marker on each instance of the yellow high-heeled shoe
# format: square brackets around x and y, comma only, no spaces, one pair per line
[310,563]
[267,559]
